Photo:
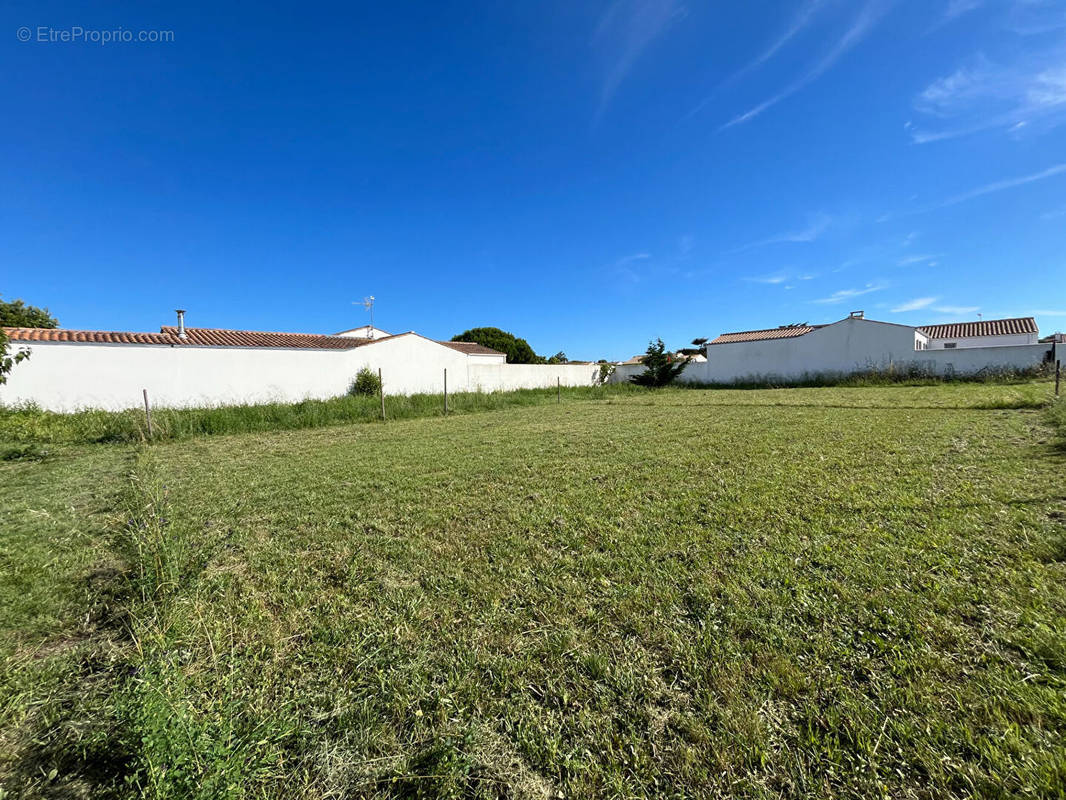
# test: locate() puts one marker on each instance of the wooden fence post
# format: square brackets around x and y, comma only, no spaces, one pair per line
[381,394]
[445,391]
[558,390]
[148,412]
[1058,372]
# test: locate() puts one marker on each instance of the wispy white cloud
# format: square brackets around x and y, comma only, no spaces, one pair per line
[954,10]
[623,33]
[803,17]
[815,227]
[957,310]
[631,258]
[867,19]
[1049,313]
[930,303]
[773,279]
[982,95]
[925,258]
[999,186]
[847,294]
[1054,213]
[914,305]
[1036,17]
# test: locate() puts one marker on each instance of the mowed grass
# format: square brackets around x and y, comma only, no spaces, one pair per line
[834,592]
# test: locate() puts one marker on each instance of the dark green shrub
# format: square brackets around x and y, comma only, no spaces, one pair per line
[660,367]
[366,382]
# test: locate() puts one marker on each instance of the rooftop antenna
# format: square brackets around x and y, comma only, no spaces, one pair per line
[980,316]
[368,304]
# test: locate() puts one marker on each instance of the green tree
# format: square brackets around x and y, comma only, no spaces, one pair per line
[16,314]
[518,350]
[660,367]
[8,361]
[559,358]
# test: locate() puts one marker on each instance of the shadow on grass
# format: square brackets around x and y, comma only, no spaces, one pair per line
[74,743]
[1020,405]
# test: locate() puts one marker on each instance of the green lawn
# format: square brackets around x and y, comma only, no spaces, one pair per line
[850,592]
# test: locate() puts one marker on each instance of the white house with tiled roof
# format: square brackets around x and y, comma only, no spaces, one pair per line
[187,366]
[857,344]
[983,333]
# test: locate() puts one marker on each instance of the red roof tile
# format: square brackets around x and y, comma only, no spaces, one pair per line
[988,327]
[201,337]
[788,332]
[100,337]
[220,337]
[472,348]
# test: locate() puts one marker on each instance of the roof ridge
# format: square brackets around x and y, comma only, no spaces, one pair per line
[169,328]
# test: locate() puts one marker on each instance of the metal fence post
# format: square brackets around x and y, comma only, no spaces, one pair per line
[445,391]
[148,412]
[1058,372]
[558,390]
[381,394]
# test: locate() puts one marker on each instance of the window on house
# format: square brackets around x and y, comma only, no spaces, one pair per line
[949,345]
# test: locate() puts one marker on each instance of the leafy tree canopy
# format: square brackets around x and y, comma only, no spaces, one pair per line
[518,350]
[660,367]
[9,360]
[559,358]
[16,314]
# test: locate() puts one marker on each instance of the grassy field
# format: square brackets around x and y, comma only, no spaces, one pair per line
[809,592]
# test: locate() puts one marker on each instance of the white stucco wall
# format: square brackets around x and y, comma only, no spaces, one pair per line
[985,341]
[851,345]
[65,376]
[507,377]
[484,358]
[970,360]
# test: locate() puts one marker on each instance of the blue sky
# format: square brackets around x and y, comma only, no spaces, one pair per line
[585,174]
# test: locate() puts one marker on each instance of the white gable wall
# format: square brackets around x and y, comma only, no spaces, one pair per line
[365,332]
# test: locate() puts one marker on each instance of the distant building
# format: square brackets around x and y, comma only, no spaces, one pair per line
[984,333]
[857,344]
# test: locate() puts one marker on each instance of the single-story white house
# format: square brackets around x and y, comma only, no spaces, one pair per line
[857,344]
[983,333]
[183,366]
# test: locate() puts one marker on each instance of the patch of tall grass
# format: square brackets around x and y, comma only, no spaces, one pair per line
[906,375]
[1056,415]
[29,423]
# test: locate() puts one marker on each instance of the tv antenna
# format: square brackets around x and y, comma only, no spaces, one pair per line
[368,304]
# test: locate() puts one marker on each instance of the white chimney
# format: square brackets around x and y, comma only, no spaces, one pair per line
[181,324]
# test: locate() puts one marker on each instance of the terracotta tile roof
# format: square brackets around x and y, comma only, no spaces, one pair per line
[988,327]
[220,337]
[202,337]
[788,332]
[101,337]
[472,348]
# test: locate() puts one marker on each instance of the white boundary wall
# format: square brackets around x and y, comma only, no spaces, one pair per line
[65,376]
